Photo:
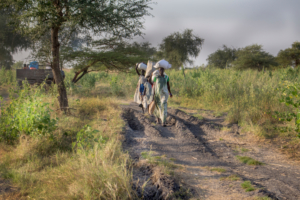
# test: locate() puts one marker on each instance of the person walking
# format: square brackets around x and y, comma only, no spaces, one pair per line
[162,90]
[138,96]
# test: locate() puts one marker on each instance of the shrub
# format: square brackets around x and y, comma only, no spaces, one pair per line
[27,114]
[7,76]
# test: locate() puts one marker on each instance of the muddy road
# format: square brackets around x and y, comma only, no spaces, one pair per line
[206,152]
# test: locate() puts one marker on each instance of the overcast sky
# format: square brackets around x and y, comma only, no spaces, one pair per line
[275,24]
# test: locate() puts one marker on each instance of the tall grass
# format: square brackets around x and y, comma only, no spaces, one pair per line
[7,76]
[249,97]
[82,158]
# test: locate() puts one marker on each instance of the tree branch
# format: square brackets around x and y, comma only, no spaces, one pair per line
[83,71]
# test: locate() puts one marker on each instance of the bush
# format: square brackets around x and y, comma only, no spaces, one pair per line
[7,76]
[26,114]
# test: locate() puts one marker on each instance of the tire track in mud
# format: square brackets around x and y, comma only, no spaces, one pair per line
[196,146]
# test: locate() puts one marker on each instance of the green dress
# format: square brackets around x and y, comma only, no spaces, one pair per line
[161,96]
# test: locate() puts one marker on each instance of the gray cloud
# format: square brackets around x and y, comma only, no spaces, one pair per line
[237,23]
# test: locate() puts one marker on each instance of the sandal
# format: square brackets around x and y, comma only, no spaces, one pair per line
[157,121]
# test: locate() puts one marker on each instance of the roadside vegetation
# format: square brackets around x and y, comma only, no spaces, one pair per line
[78,155]
[250,98]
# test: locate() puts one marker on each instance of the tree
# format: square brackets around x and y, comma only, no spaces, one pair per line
[179,48]
[10,41]
[253,57]
[102,18]
[222,57]
[41,50]
[290,56]
[111,54]
[146,48]
[17,65]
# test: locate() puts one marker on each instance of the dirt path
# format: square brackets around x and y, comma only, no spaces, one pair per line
[207,158]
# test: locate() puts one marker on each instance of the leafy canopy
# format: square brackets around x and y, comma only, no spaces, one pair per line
[111,54]
[222,57]
[10,41]
[178,48]
[290,56]
[120,18]
[253,57]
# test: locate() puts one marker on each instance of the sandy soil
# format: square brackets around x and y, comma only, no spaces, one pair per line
[201,148]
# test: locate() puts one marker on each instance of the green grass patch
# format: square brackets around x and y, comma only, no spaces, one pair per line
[249,161]
[200,117]
[218,114]
[244,150]
[247,186]
[263,198]
[218,169]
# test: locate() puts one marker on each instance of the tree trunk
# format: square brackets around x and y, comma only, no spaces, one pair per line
[62,98]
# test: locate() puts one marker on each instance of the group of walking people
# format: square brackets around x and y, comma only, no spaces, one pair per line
[153,89]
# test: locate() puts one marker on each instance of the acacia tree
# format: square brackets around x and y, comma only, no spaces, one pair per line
[290,56]
[253,57]
[119,18]
[112,54]
[178,48]
[222,57]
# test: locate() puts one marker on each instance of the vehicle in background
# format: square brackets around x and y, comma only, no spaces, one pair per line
[36,75]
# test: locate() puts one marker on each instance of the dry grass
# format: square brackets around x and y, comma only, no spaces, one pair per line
[230,178]
[52,169]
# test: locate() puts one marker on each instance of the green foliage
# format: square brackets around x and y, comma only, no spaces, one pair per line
[111,54]
[290,96]
[89,81]
[247,96]
[7,77]
[248,160]
[26,114]
[99,16]
[116,87]
[10,40]
[222,58]
[146,48]
[86,138]
[290,56]
[247,186]
[178,48]
[17,65]
[253,57]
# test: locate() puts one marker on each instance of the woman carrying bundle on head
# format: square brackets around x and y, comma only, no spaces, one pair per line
[161,86]
[139,92]
[148,92]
